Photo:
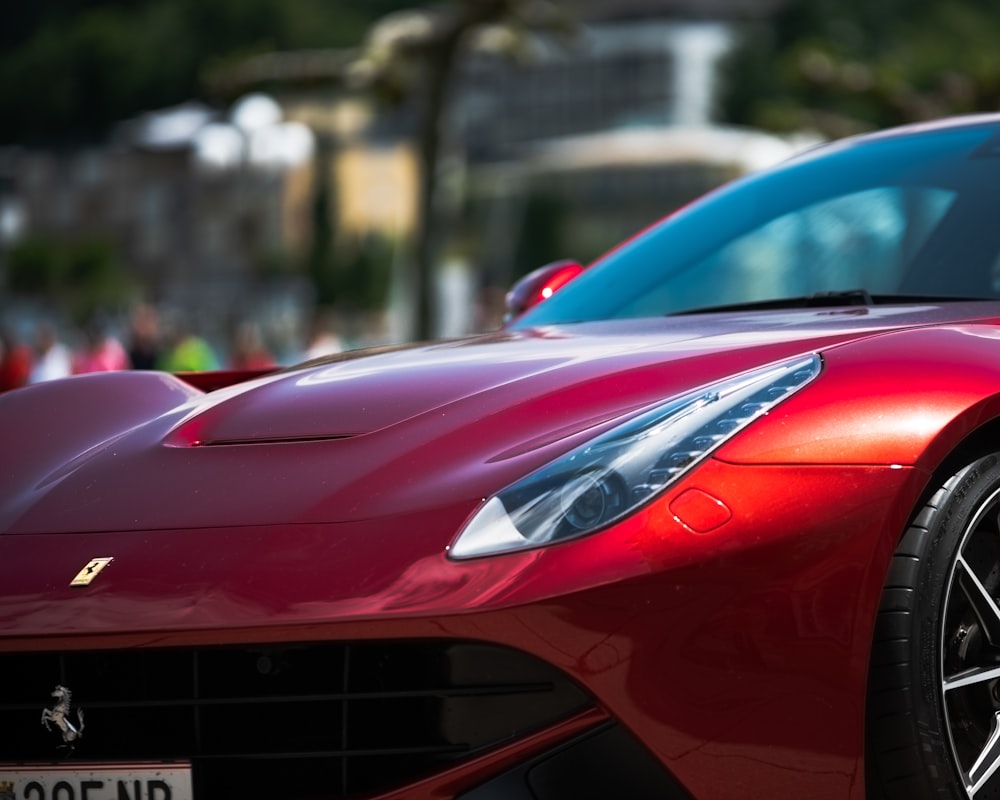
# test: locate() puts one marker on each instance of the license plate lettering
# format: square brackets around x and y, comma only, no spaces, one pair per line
[99,790]
[125,782]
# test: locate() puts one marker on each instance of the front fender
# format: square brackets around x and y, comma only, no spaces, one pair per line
[907,398]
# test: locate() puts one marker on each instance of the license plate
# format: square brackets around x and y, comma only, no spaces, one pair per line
[96,782]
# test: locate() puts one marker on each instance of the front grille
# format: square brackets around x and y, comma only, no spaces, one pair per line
[291,721]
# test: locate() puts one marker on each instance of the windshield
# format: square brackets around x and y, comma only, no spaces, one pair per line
[903,216]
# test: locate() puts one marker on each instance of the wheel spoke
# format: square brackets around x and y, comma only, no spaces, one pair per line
[981,601]
[971,677]
[988,761]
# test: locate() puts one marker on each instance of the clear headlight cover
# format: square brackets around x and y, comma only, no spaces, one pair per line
[614,474]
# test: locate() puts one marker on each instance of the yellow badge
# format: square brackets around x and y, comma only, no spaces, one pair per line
[86,575]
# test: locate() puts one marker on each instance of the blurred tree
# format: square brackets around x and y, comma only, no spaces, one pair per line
[839,66]
[416,52]
[542,238]
[320,261]
[363,272]
[71,68]
[84,276]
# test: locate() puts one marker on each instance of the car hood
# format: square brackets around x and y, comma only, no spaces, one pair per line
[375,433]
[363,392]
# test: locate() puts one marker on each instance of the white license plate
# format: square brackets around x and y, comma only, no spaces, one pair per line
[96,782]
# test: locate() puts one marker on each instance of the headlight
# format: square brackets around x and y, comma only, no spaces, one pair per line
[620,470]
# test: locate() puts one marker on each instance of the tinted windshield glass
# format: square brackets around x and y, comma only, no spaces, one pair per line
[907,216]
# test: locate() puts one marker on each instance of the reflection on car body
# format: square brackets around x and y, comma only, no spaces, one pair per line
[715,518]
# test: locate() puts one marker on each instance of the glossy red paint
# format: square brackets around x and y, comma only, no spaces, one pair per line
[723,628]
[699,511]
[908,397]
[742,640]
[751,634]
[767,675]
[220,379]
[488,412]
[447,784]
[540,285]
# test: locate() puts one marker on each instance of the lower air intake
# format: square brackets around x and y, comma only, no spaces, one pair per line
[291,721]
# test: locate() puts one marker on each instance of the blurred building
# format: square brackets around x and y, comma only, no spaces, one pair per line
[604,132]
[559,154]
[371,164]
[209,217]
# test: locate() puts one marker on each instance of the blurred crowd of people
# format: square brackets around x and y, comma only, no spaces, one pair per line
[147,343]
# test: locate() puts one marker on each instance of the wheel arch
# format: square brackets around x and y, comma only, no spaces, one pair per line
[976,434]
[970,437]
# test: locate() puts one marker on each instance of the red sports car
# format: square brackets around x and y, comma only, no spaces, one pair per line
[720,518]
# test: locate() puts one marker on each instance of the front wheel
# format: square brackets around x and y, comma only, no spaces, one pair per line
[934,686]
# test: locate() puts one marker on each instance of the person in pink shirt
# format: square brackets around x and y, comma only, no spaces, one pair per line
[100,352]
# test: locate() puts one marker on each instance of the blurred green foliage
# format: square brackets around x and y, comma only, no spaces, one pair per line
[83,276]
[356,275]
[362,273]
[840,66]
[71,68]
[543,235]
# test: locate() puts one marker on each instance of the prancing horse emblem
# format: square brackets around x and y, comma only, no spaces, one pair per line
[59,716]
[86,575]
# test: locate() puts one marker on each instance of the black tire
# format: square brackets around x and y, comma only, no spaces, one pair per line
[934,684]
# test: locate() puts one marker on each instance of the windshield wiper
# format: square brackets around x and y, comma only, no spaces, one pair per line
[849,297]
[852,297]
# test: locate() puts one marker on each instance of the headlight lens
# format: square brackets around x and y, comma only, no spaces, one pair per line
[620,470]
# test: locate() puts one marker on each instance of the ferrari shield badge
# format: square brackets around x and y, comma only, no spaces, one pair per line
[86,575]
[59,715]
